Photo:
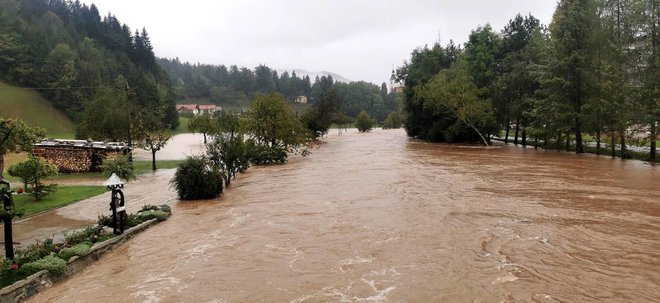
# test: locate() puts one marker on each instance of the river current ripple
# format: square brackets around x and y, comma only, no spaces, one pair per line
[379,217]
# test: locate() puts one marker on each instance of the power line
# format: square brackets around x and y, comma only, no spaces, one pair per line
[57,88]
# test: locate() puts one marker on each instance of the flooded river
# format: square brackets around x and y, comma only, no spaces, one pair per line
[380,218]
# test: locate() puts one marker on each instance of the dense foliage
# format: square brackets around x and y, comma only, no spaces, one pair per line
[16,136]
[270,121]
[593,71]
[32,171]
[237,86]
[197,178]
[93,68]
[120,166]
[364,122]
[224,85]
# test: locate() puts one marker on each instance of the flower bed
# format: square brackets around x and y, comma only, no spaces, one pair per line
[40,264]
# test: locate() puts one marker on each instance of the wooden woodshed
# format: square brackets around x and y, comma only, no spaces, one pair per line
[76,156]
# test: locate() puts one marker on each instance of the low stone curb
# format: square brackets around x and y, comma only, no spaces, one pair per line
[23,289]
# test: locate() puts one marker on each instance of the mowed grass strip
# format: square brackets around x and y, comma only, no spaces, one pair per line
[64,195]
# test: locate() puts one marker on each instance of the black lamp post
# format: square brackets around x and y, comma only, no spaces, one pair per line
[117,207]
[6,218]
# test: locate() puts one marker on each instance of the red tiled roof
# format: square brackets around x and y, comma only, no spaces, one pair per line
[192,107]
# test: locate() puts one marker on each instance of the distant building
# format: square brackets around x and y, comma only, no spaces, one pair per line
[301,99]
[398,89]
[196,109]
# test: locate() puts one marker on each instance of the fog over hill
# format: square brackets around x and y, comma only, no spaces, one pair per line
[312,75]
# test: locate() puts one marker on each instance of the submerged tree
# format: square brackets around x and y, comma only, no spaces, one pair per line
[453,92]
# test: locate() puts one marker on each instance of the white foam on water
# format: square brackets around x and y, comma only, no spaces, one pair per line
[346,263]
[543,296]
[149,296]
[508,277]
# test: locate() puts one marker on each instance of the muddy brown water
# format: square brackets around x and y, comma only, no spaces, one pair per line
[380,218]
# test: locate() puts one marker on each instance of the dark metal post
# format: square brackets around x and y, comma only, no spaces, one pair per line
[8,206]
[116,203]
[118,211]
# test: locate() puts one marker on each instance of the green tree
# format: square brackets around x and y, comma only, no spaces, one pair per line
[120,166]
[571,67]
[32,171]
[197,178]
[154,136]
[271,122]
[454,92]
[16,136]
[394,120]
[226,123]
[230,154]
[424,64]
[364,122]
[516,81]
[324,111]
[202,123]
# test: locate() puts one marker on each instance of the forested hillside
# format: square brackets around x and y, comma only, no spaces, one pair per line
[95,69]
[221,85]
[593,72]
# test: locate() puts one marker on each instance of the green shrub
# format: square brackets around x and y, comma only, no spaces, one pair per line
[364,123]
[119,166]
[54,265]
[31,172]
[146,215]
[89,234]
[78,250]
[105,221]
[148,207]
[9,274]
[161,215]
[196,178]
[263,154]
[35,251]
[393,120]
[166,208]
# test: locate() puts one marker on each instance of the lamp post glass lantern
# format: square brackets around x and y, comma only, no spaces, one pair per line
[114,184]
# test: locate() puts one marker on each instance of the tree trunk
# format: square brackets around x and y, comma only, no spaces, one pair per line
[654,134]
[536,142]
[579,148]
[480,135]
[515,140]
[153,160]
[508,128]
[2,165]
[524,136]
[613,146]
[204,138]
[624,149]
[568,141]
[598,141]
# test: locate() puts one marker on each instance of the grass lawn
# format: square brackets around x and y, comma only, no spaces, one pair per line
[64,195]
[143,167]
[183,126]
[34,110]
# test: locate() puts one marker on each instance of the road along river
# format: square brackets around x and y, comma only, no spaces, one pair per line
[378,217]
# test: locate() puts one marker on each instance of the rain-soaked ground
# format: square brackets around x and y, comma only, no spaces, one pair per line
[150,188]
[378,217]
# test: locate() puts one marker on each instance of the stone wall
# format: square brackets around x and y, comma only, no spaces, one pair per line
[24,289]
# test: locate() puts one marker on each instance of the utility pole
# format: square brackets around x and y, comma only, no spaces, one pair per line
[128,119]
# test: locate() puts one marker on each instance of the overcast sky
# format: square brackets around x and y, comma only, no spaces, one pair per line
[360,39]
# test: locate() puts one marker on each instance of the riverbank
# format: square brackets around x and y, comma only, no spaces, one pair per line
[380,217]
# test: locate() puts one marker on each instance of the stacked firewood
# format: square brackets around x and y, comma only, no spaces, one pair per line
[70,159]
